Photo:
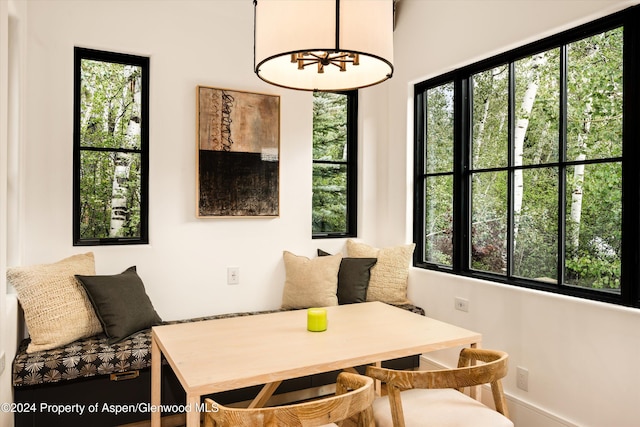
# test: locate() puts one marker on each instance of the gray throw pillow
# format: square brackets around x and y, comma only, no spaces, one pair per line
[121,303]
[353,278]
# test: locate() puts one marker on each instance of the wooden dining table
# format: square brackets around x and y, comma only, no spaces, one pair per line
[265,349]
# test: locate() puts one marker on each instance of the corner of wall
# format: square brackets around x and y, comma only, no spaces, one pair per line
[9,334]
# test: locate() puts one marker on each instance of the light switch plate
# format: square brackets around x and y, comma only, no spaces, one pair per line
[461,304]
[233,275]
[522,378]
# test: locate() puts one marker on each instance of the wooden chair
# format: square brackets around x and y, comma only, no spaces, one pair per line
[435,398]
[352,402]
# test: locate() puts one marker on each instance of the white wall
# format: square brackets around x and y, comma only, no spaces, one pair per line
[581,356]
[5,395]
[12,29]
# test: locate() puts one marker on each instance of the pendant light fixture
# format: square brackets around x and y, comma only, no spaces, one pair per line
[323,45]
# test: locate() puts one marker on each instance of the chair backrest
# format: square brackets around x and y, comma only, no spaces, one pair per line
[467,374]
[353,399]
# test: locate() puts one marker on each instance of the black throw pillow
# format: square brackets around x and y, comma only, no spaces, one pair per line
[121,303]
[353,278]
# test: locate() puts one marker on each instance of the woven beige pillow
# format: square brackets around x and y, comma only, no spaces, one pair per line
[56,308]
[388,282]
[310,282]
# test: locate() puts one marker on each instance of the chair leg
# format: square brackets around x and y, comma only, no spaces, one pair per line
[367,418]
[395,401]
[207,421]
[498,398]
[363,419]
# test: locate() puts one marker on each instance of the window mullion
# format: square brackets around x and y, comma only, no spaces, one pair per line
[562,169]
[461,184]
[111,150]
[420,149]
[352,164]
[511,170]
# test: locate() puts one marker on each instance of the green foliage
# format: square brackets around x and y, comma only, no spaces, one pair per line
[594,90]
[488,247]
[110,118]
[489,224]
[440,129]
[490,127]
[439,189]
[588,270]
[439,219]
[595,262]
[329,207]
[329,126]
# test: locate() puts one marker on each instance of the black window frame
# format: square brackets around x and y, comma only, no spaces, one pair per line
[352,170]
[121,58]
[630,226]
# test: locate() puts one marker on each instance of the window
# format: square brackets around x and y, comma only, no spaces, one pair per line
[111,148]
[526,165]
[335,117]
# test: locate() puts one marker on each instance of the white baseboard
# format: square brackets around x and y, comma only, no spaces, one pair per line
[521,412]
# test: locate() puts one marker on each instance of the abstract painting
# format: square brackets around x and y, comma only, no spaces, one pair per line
[238,150]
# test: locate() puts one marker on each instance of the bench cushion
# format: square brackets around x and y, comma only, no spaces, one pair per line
[90,356]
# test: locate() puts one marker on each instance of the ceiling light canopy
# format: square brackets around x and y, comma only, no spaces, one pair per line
[323,45]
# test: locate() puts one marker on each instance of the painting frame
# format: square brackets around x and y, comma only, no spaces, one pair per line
[237,154]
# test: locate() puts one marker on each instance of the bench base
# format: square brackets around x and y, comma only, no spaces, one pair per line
[98,398]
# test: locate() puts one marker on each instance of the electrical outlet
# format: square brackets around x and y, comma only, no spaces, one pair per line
[233,275]
[461,304]
[1,363]
[522,378]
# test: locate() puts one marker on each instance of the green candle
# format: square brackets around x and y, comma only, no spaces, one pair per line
[316,319]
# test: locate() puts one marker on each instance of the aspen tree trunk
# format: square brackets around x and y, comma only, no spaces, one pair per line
[578,178]
[478,137]
[479,134]
[519,135]
[122,161]
[119,195]
[88,109]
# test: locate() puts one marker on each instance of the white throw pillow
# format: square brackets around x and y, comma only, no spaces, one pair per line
[310,282]
[388,282]
[56,308]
